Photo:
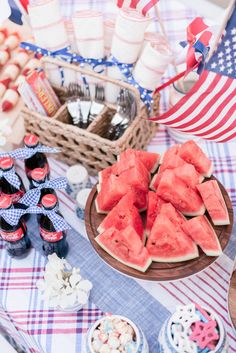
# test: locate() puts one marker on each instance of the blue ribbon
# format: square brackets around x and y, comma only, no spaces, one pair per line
[203,50]
[125,69]
[65,54]
[13,215]
[11,177]
[28,152]
[58,221]
[32,197]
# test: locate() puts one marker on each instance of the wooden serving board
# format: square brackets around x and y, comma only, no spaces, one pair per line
[157,271]
[232,299]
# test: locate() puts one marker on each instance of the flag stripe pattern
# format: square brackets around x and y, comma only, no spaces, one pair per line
[143,6]
[209,109]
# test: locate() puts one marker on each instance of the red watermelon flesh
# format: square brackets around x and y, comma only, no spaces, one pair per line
[129,167]
[153,208]
[150,160]
[182,197]
[111,191]
[172,162]
[174,216]
[214,202]
[122,215]
[188,174]
[193,154]
[201,231]
[125,246]
[172,151]
[167,243]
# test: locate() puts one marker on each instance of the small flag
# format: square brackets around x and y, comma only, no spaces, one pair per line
[141,5]
[209,109]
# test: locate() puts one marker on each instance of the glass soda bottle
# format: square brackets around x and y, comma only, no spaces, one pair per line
[6,164]
[16,240]
[38,160]
[39,176]
[53,241]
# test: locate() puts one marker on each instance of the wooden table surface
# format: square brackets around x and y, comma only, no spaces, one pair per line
[232,298]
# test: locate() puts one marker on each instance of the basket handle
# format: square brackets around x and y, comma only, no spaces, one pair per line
[106,78]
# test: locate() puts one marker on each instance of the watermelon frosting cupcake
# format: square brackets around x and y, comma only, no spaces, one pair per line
[193,329]
[116,334]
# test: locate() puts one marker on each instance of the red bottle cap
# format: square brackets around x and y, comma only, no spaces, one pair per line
[31,140]
[6,163]
[38,174]
[49,201]
[5,202]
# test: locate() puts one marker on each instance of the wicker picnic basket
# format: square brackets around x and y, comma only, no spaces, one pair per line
[87,146]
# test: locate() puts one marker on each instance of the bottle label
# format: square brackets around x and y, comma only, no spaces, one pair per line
[29,171]
[12,236]
[51,237]
[14,197]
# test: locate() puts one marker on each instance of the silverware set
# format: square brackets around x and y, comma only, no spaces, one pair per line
[83,109]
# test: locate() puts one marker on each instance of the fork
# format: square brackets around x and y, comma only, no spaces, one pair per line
[85,106]
[121,119]
[97,105]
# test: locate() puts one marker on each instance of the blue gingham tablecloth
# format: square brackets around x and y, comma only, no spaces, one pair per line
[39,329]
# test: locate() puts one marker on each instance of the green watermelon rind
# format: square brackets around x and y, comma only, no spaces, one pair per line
[211,252]
[200,212]
[191,256]
[98,209]
[129,264]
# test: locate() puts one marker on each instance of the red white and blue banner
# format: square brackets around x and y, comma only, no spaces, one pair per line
[209,109]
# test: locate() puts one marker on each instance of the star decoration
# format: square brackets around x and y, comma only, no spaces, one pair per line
[228,57]
[183,343]
[185,315]
[228,50]
[221,61]
[204,333]
[213,65]
[220,55]
[222,67]
[233,31]
[229,64]
[230,71]
[227,43]
[234,39]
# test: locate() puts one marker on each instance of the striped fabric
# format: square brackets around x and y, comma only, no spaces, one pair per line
[41,330]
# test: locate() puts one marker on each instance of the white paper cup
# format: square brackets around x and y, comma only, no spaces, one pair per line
[77,178]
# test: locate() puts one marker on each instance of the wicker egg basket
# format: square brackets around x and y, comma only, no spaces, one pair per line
[86,146]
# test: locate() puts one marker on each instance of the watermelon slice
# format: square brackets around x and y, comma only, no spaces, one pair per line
[188,174]
[192,153]
[122,215]
[150,160]
[167,243]
[201,231]
[172,162]
[110,193]
[175,191]
[125,246]
[174,216]
[214,202]
[153,208]
[172,151]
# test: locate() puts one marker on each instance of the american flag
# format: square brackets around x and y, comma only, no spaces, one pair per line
[209,109]
[141,5]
